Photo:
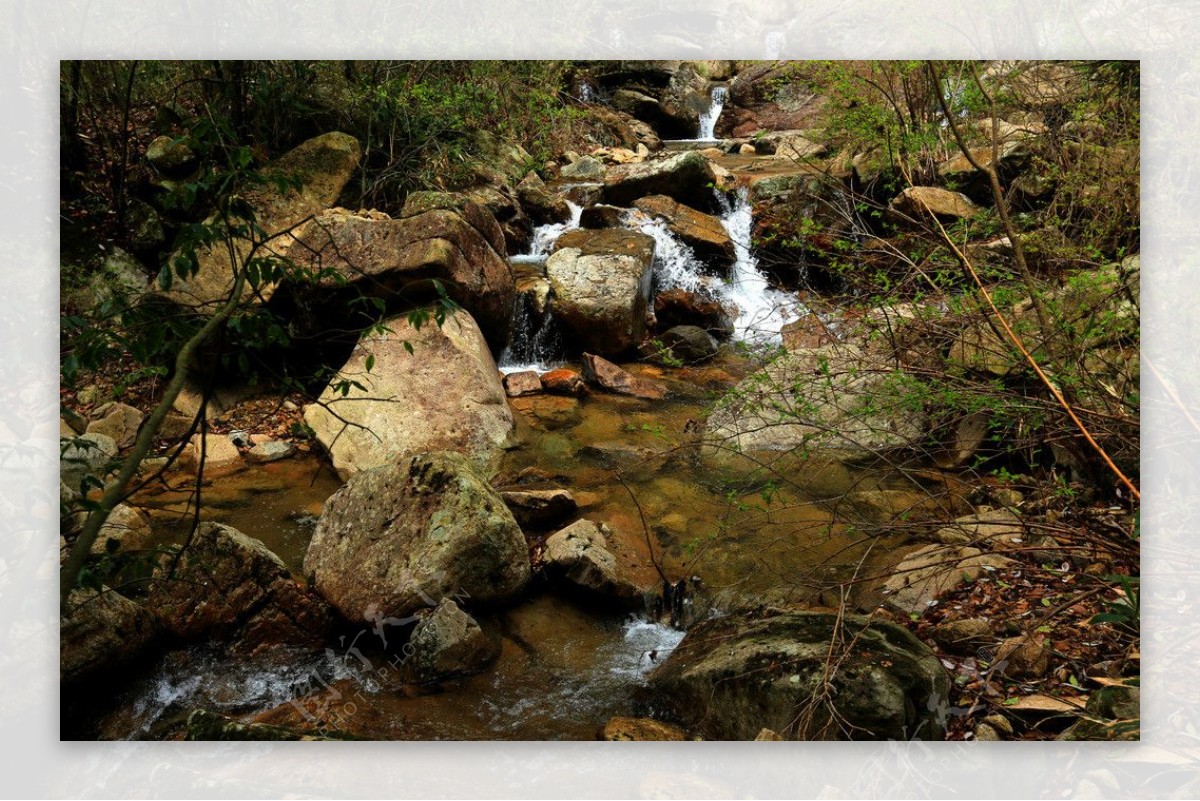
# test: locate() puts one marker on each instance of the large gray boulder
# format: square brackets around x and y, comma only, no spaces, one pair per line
[600,287]
[428,388]
[806,675]
[439,237]
[101,631]
[401,537]
[322,165]
[229,587]
[839,397]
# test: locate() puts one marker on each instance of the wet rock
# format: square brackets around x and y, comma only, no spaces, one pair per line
[687,177]
[539,508]
[579,557]
[689,344]
[229,587]
[962,636]
[564,382]
[928,572]
[602,215]
[733,676]
[323,165]
[443,395]
[1023,657]
[838,398]
[641,730]
[549,412]
[85,455]
[679,307]
[526,382]
[203,725]
[607,375]
[449,643]
[402,536]
[99,632]
[918,201]
[271,450]
[117,420]
[439,236]
[600,282]
[542,205]
[584,169]
[703,233]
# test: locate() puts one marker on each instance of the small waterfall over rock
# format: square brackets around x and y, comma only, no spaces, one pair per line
[761,311]
[708,120]
[533,343]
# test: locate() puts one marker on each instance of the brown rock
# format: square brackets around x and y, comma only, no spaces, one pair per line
[539,508]
[443,395]
[641,730]
[564,382]
[579,556]
[607,375]
[230,587]
[548,412]
[1023,657]
[525,382]
[218,452]
[679,307]
[602,215]
[918,201]
[439,236]
[962,636]
[704,233]
[119,421]
[99,632]
[322,165]
[928,572]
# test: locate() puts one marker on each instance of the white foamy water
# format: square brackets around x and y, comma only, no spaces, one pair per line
[762,310]
[204,680]
[708,120]
[618,670]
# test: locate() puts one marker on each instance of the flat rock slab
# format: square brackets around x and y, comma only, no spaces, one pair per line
[539,508]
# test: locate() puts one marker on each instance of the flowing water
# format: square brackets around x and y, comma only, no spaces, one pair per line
[708,120]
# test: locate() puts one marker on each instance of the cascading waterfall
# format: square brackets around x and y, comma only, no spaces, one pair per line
[533,343]
[708,120]
[761,311]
